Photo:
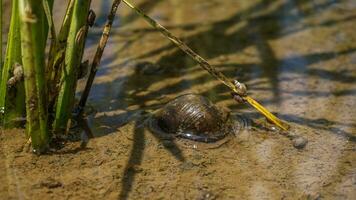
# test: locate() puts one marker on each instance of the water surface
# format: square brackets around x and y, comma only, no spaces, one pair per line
[298,58]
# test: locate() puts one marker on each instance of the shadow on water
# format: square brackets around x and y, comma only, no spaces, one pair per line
[258,31]
[265,21]
[119,22]
[135,158]
[326,125]
[134,161]
[320,124]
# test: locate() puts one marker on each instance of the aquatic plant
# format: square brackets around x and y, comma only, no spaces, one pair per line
[37,89]
[49,87]
[12,98]
[72,59]
[32,32]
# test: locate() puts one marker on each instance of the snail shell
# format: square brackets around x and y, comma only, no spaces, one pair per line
[194,117]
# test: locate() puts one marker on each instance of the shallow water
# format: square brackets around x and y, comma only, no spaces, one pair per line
[298,58]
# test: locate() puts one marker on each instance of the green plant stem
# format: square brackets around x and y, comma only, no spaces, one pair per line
[33,52]
[51,27]
[73,57]
[44,20]
[99,52]
[12,100]
[56,55]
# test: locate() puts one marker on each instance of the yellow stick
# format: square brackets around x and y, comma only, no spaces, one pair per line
[205,65]
[266,113]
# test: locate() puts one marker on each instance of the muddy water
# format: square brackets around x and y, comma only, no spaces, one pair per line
[298,58]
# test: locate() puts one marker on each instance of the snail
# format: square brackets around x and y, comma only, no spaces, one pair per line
[193,117]
[242,91]
[17,77]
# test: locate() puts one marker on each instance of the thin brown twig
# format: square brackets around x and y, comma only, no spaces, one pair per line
[97,58]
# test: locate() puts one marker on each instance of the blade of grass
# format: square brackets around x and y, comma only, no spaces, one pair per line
[44,20]
[64,30]
[48,13]
[73,57]
[33,52]
[56,55]
[205,65]
[51,27]
[13,104]
[99,52]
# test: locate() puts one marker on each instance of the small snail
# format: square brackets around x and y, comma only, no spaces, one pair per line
[241,91]
[17,75]
[193,117]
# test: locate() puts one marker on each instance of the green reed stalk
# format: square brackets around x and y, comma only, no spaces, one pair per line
[56,56]
[51,27]
[73,57]
[33,59]
[12,96]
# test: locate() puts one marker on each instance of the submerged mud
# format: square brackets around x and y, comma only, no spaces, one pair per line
[296,57]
